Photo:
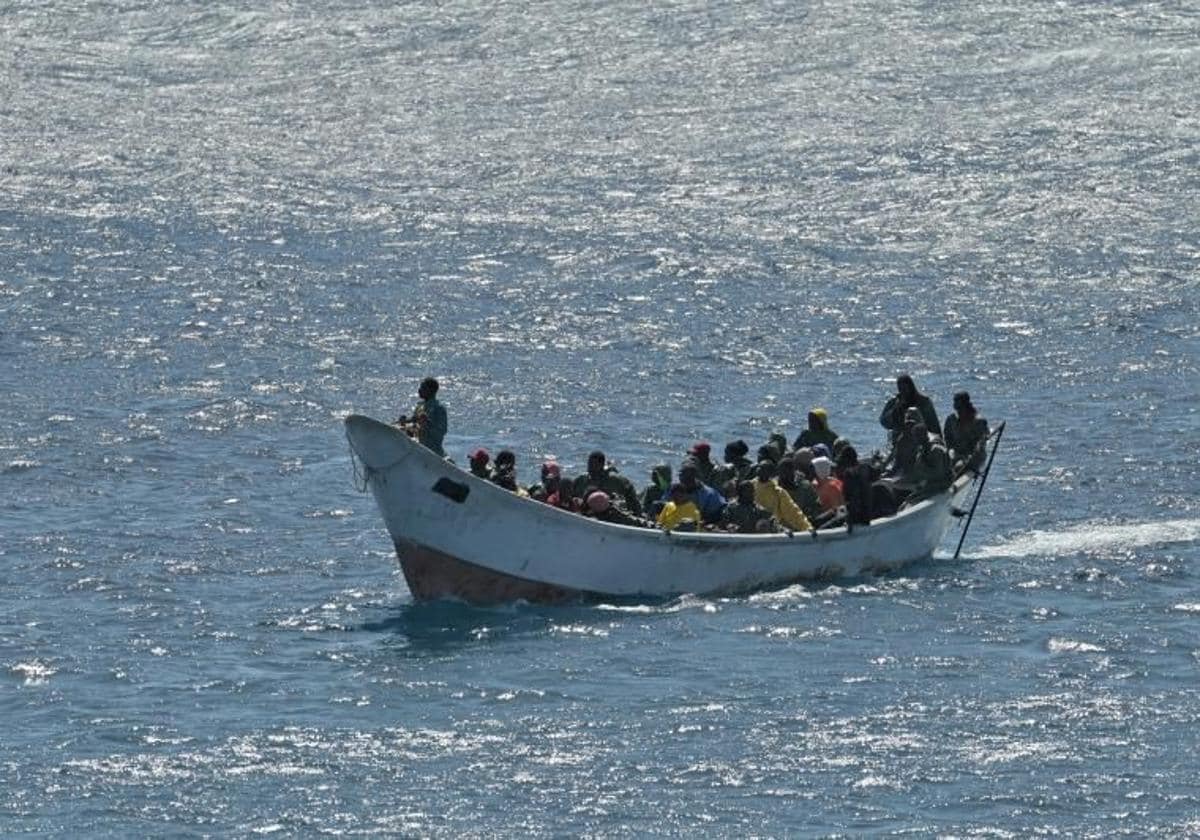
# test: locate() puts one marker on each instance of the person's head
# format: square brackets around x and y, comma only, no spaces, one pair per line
[822,467]
[912,416]
[769,452]
[838,445]
[820,450]
[847,457]
[787,470]
[551,474]
[735,449]
[745,492]
[660,476]
[689,475]
[506,459]
[962,403]
[428,388]
[479,458]
[700,450]
[803,458]
[818,420]
[765,470]
[779,441]
[597,501]
[596,463]
[905,387]
[678,493]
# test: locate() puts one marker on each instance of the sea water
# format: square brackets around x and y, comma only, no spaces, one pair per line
[625,226]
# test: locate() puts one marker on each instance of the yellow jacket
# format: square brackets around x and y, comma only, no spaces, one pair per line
[781,505]
[672,514]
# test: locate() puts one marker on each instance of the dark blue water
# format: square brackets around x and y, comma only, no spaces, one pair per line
[623,226]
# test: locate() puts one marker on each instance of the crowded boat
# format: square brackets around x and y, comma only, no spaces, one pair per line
[817,481]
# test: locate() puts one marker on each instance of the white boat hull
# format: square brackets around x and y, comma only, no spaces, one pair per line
[457,536]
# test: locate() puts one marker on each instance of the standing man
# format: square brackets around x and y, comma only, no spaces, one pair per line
[428,423]
[907,396]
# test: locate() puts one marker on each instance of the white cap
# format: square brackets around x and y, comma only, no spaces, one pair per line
[822,466]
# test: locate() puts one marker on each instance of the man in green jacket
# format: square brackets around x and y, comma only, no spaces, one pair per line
[907,396]
[601,475]
[818,431]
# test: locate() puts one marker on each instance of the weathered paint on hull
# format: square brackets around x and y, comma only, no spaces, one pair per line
[431,574]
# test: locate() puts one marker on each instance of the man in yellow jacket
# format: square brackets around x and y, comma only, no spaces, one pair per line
[680,512]
[778,501]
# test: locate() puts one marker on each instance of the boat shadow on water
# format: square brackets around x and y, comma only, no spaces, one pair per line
[446,624]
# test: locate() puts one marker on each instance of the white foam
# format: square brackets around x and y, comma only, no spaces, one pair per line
[1094,537]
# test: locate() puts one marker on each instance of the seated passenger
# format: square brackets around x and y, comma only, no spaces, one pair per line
[776,500]
[737,466]
[701,455]
[655,495]
[900,460]
[680,512]
[600,506]
[710,502]
[838,446]
[555,490]
[550,474]
[481,464]
[779,441]
[856,481]
[601,475]
[931,472]
[746,516]
[800,489]
[505,473]
[829,489]
[768,452]
[559,494]
[966,434]
[803,458]
[818,431]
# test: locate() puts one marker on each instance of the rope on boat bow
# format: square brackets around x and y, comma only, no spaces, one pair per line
[361,472]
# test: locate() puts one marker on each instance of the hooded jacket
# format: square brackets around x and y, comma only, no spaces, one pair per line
[810,437]
[778,502]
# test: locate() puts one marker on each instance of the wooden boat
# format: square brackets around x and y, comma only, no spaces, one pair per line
[459,536]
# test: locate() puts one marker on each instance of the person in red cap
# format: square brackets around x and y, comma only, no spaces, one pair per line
[558,489]
[700,454]
[481,464]
[550,476]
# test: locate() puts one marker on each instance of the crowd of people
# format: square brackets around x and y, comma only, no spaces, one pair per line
[817,481]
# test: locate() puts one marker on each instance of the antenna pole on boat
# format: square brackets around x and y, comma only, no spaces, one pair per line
[979,492]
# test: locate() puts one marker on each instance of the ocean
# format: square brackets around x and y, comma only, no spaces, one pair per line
[622,226]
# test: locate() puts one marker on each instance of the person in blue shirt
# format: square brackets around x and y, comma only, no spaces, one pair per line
[710,502]
[428,423]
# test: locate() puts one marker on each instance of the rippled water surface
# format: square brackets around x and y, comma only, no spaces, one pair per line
[623,226]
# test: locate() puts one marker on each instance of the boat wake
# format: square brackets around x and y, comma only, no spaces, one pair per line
[1094,537]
